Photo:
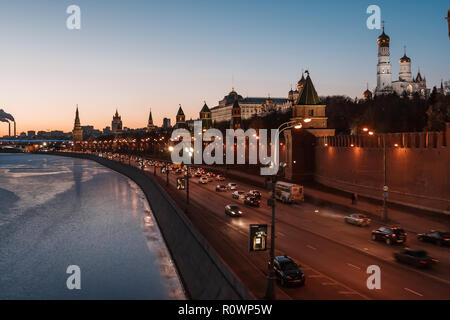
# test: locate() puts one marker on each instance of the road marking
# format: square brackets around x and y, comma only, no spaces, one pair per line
[329,283]
[281,234]
[366,249]
[311,247]
[347,292]
[414,292]
[353,266]
[316,276]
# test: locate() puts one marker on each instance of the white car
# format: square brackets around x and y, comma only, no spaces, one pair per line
[231,186]
[220,177]
[203,180]
[240,195]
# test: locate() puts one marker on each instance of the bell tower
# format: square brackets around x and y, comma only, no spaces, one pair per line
[384,73]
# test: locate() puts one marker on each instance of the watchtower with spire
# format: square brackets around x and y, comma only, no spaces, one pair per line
[205,116]
[236,117]
[77,132]
[180,119]
[150,125]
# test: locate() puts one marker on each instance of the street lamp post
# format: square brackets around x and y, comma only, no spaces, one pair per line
[384,216]
[270,289]
[167,173]
[191,152]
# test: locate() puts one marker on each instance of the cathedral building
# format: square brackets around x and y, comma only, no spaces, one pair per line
[77,132]
[116,124]
[405,84]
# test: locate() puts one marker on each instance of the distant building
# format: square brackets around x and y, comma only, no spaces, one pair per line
[166,124]
[116,123]
[180,119]
[107,130]
[236,117]
[205,117]
[31,133]
[249,106]
[77,132]
[150,125]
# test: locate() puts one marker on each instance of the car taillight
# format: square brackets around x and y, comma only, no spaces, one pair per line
[422,261]
[435,260]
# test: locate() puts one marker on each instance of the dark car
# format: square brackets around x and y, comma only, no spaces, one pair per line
[233,210]
[390,235]
[252,201]
[417,258]
[287,271]
[255,193]
[221,188]
[436,237]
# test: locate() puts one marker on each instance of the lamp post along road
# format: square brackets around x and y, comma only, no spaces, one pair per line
[270,289]
[384,216]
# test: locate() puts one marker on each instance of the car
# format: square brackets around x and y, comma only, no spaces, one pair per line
[390,235]
[417,258]
[198,174]
[252,201]
[220,177]
[231,186]
[238,195]
[233,210]
[287,271]
[357,219]
[436,237]
[221,188]
[179,171]
[203,180]
[255,194]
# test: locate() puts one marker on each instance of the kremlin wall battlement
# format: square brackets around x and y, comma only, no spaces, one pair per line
[417,167]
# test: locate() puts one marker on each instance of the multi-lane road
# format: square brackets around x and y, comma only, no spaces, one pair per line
[333,255]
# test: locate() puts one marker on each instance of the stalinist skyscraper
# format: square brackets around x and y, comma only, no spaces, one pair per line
[77,131]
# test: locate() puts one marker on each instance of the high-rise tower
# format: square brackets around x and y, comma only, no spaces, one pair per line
[116,124]
[384,74]
[77,132]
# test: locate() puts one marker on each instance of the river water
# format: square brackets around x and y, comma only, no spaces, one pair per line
[57,212]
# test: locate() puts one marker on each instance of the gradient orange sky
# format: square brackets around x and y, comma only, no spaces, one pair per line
[137,55]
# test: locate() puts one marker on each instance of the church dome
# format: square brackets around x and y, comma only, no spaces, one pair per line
[405,58]
[367,94]
[383,39]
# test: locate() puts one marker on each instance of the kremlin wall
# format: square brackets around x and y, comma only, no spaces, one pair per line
[417,167]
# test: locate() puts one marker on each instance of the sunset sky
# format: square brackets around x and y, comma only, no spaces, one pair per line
[137,55]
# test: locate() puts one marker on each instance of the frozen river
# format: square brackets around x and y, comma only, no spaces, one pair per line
[57,212]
